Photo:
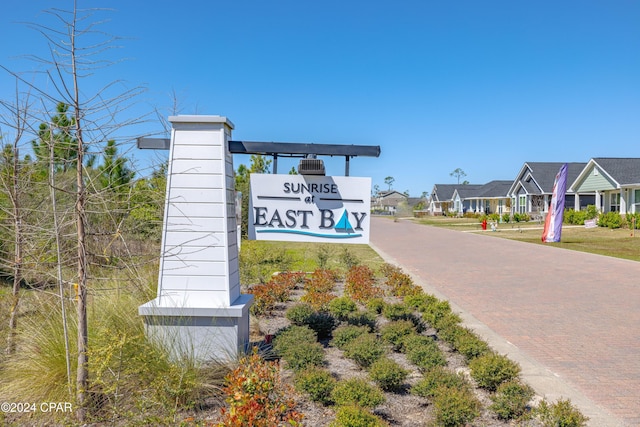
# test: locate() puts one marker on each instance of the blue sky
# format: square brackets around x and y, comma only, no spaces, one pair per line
[439,85]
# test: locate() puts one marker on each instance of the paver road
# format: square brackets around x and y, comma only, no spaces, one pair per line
[573,315]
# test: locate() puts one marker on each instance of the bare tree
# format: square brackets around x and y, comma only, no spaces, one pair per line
[10,182]
[93,115]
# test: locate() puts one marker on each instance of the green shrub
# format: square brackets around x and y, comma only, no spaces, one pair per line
[438,378]
[357,391]
[322,323]
[342,307]
[397,311]
[362,318]
[395,332]
[292,336]
[343,335]
[364,350]
[467,343]
[375,305]
[511,399]
[348,258]
[434,313]
[455,407]
[574,217]
[492,369]
[560,414]
[506,217]
[420,301]
[304,355]
[423,352]
[388,374]
[450,329]
[316,383]
[354,416]
[612,220]
[300,313]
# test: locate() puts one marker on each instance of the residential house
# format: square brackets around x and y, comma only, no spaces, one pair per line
[491,197]
[615,182]
[532,189]
[387,201]
[441,199]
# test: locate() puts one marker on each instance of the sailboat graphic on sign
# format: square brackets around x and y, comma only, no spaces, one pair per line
[343,224]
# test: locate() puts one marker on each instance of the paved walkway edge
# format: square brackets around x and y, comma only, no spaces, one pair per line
[546,383]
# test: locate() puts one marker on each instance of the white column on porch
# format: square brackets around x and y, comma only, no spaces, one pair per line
[624,199]
[576,202]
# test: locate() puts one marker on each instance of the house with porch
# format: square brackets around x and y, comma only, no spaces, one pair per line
[532,189]
[441,198]
[615,183]
[491,197]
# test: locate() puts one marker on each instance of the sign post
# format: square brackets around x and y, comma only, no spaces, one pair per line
[199,310]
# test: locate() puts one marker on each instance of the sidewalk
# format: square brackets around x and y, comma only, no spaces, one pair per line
[571,319]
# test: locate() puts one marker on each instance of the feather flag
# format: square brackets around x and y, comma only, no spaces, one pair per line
[553,222]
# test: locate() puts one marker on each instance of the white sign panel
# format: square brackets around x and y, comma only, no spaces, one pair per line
[299,208]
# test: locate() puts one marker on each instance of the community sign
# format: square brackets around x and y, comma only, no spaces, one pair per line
[306,208]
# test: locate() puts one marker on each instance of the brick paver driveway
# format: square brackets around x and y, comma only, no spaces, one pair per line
[577,315]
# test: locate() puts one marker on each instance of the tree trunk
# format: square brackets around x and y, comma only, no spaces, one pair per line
[17,264]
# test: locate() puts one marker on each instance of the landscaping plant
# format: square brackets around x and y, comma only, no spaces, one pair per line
[357,391]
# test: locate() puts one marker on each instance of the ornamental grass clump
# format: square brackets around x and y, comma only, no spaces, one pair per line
[357,391]
[492,369]
[364,350]
[388,374]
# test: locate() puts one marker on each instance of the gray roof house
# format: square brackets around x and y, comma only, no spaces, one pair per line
[531,191]
[615,182]
[491,197]
[441,198]
[387,201]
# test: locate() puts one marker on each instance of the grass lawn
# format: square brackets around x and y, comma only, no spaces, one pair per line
[602,241]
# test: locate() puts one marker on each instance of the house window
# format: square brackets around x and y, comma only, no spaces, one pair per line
[615,202]
[636,201]
[522,204]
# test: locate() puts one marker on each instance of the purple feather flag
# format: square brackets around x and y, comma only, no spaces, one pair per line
[553,223]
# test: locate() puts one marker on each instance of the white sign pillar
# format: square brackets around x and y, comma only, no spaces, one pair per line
[199,311]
